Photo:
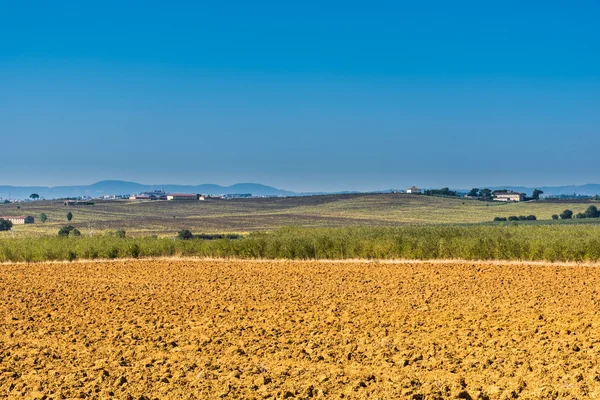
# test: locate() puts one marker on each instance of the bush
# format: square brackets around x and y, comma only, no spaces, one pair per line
[567,214]
[65,230]
[134,250]
[554,216]
[531,218]
[112,252]
[522,218]
[43,217]
[500,219]
[5,225]
[121,233]
[513,218]
[592,212]
[69,216]
[581,215]
[185,234]
[68,230]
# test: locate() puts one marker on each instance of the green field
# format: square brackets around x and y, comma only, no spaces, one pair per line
[165,218]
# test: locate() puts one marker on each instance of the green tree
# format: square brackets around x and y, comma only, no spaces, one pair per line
[68,230]
[592,212]
[69,216]
[485,193]
[185,234]
[65,230]
[43,217]
[567,214]
[34,196]
[536,194]
[474,192]
[554,216]
[5,225]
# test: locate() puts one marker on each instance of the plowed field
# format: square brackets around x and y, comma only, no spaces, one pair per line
[210,329]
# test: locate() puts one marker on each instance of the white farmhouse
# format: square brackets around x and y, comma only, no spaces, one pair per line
[19,220]
[508,195]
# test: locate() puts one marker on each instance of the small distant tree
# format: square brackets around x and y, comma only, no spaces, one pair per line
[485,193]
[66,230]
[522,218]
[536,194]
[580,215]
[592,212]
[500,219]
[185,234]
[5,225]
[34,196]
[531,218]
[513,218]
[473,193]
[567,214]
[69,216]
[43,217]
[554,216]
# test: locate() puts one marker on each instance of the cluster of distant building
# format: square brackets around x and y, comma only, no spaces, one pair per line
[497,195]
[162,195]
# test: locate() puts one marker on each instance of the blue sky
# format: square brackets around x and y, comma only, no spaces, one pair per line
[303,96]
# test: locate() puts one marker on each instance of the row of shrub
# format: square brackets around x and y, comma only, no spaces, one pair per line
[515,218]
[591,212]
[571,242]
[186,234]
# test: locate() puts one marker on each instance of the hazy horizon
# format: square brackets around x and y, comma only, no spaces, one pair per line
[463,187]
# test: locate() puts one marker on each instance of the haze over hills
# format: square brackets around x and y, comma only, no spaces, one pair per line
[117,187]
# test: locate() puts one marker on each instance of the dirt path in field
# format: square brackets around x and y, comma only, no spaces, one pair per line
[288,329]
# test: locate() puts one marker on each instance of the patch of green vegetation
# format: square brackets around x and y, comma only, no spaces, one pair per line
[511,241]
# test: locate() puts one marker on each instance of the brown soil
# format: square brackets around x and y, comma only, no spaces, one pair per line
[210,329]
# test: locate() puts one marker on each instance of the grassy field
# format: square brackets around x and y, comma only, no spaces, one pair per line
[165,218]
[174,329]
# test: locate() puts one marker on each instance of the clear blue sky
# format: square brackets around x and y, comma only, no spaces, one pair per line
[309,95]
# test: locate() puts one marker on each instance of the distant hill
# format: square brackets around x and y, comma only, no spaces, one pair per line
[114,187]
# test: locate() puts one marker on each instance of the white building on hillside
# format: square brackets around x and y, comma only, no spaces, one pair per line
[183,196]
[508,195]
[20,220]
[413,190]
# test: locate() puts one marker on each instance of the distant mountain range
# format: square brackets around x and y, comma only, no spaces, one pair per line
[108,188]
[116,187]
